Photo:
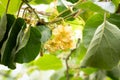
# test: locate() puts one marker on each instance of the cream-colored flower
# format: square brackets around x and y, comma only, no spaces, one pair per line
[62,39]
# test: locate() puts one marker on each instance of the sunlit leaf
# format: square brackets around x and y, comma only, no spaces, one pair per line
[89,5]
[9,44]
[48,62]
[76,24]
[108,6]
[2,8]
[116,2]
[76,78]
[89,70]
[11,9]
[91,25]
[32,48]
[41,1]
[103,51]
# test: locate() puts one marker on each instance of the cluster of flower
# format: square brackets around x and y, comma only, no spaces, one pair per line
[62,39]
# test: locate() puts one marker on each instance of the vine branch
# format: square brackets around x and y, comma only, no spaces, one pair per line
[31,9]
[20,8]
[66,17]
[7,6]
[67,58]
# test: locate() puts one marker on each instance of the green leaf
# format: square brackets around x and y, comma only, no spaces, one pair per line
[89,5]
[45,33]
[2,6]
[91,25]
[32,48]
[114,73]
[23,38]
[73,1]
[10,21]
[116,2]
[77,23]
[61,6]
[9,44]
[41,1]
[89,70]
[48,62]
[3,24]
[103,51]
[13,6]
[114,19]
[76,78]
[99,75]
[79,52]
[107,6]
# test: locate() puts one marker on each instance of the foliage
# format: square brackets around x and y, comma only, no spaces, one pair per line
[82,36]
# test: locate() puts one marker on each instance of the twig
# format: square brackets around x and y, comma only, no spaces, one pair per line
[66,17]
[23,14]
[20,8]
[31,9]
[7,6]
[67,58]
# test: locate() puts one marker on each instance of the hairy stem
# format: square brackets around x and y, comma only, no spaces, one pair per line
[7,6]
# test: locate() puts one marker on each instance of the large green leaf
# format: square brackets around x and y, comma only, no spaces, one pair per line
[115,19]
[10,21]
[104,51]
[9,44]
[89,5]
[32,48]
[13,6]
[3,25]
[107,6]
[45,33]
[48,62]
[91,25]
